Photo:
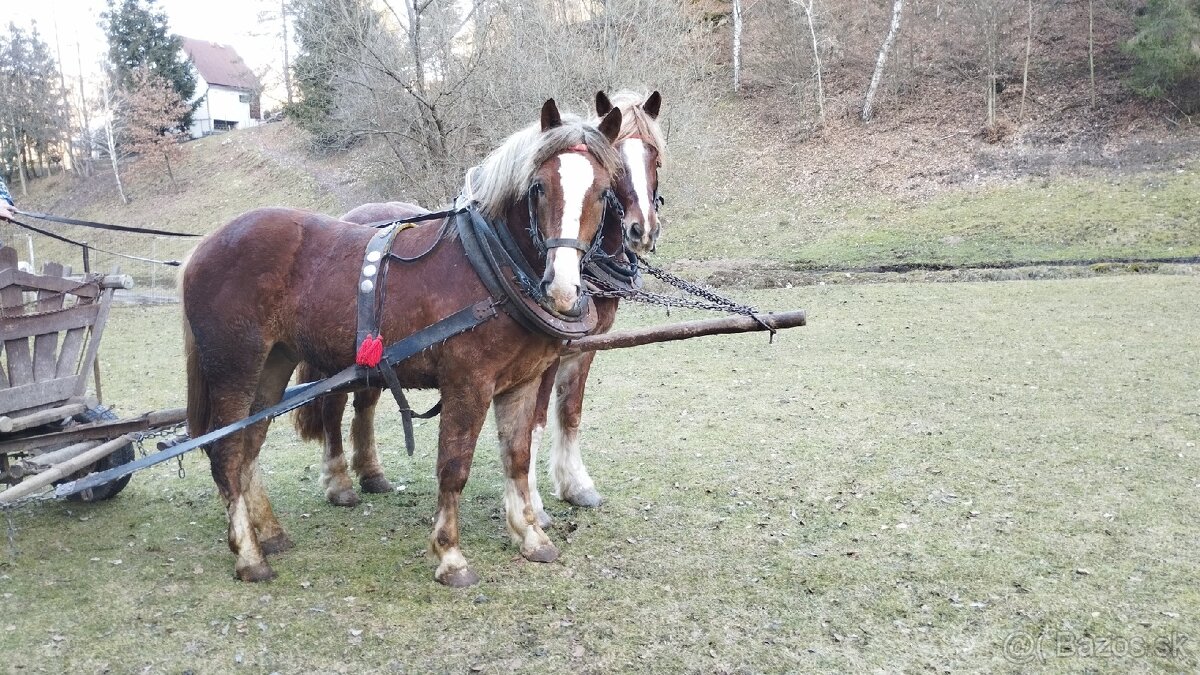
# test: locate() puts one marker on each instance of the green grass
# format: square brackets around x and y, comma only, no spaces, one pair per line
[1103,215]
[1036,440]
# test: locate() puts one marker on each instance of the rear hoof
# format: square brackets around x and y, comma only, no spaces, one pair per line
[544,519]
[345,497]
[376,485]
[277,544]
[546,553]
[460,578]
[588,498]
[254,573]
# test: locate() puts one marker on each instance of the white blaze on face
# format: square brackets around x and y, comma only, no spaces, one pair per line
[575,176]
[634,150]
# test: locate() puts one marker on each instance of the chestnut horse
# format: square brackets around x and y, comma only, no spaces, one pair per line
[276,287]
[641,145]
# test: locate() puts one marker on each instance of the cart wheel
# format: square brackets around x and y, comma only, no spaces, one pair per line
[123,455]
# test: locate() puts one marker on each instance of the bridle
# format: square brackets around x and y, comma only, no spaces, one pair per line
[542,244]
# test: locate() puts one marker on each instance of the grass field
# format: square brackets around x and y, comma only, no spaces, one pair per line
[1087,216]
[929,477]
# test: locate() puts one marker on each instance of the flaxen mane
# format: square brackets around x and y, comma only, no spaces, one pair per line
[506,173]
[635,121]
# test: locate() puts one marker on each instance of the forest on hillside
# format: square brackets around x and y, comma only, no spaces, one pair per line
[424,88]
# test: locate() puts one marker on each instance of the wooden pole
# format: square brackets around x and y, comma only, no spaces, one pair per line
[683,331]
[60,471]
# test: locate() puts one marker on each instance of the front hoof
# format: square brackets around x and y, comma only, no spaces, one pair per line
[546,553]
[277,544]
[460,578]
[544,519]
[588,498]
[255,573]
[345,497]
[376,485]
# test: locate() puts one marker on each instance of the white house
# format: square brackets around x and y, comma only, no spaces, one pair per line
[226,89]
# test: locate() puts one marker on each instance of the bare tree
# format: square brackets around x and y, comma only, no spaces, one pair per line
[110,134]
[737,45]
[1028,49]
[153,109]
[881,62]
[807,6]
[1092,50]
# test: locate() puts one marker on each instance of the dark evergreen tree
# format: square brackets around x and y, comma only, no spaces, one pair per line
[325,30]
[34,117]
[138,36]
[1166,51]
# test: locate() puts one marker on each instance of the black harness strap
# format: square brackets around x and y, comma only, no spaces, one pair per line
[369,278]
[461,321]
[370,297]
[102,226]
[420,218]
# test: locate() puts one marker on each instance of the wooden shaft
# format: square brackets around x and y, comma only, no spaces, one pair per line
[95,430]
[683,331]
[34,465]
[41,417]
[60,471]
[50,459]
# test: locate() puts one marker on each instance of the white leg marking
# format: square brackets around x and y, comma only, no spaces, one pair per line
[576,176]
[566,464]
[535,443]
[241,531]
[525,533]
[451,561]
[334,477]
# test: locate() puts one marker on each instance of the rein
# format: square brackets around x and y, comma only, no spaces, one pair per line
[102,226]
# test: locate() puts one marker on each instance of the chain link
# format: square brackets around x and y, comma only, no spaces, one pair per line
[711,300]
[161,432]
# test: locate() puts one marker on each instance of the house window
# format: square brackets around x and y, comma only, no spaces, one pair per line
[243,98]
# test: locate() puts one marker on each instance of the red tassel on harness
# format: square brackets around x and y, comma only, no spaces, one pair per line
[581,148]
[370,352]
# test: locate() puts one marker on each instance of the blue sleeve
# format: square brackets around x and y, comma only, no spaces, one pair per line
[4,192]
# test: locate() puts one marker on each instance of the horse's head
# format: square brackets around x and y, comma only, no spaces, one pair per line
[567,198]
[640,145]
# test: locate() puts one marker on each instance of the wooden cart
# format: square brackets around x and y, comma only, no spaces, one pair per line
[51,429]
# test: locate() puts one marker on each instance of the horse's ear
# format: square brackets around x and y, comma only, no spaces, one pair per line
[610,126]
[603,105]
[550,116]
[652,104]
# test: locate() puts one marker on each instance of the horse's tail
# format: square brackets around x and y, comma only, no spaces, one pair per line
[199,408]
[307,419]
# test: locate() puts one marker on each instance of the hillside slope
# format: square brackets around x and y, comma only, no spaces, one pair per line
[783,204]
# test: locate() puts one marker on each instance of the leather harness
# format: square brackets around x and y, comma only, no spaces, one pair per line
[502,268]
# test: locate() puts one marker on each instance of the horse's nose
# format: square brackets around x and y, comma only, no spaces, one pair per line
[637,230]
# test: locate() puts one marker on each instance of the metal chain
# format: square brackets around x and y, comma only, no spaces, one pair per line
[712,301]
[12,532]
[715,298]
[172,430]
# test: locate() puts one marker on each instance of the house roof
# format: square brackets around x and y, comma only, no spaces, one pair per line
[219,64]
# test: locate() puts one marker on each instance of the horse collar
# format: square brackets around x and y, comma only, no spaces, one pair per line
[509,279]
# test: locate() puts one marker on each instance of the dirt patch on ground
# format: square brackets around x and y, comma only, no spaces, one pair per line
[750,274]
